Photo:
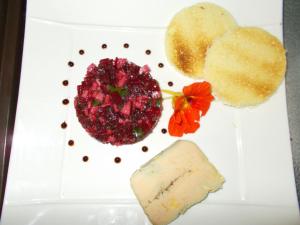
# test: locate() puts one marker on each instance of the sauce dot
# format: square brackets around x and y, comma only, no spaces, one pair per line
[64,125]
[144,148]
[148,52]
[117,160]
[160,65]
[104,46]
[85,158]
[65,82]
[65,101]
[81,51]
[71,142]
[71,64]
[170,83]
[126,45]
[164,130]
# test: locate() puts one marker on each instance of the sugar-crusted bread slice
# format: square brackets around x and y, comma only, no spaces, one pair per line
[173,181]
[245,66]
[191,32]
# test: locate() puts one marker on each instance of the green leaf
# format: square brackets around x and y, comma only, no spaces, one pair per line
[111,88]
[138,132]
[158,103]
[121,91]
[96,102]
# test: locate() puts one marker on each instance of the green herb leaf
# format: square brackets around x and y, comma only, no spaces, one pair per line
[121,91]
[96,102]
[111,88]
[158,103]
[138,132]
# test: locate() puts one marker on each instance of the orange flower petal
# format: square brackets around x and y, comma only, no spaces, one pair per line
[191,114]
[193,118]
[201,103]
[178,102]
[175,128]
[197,89]
[199,96]
[185,119]
[192,127]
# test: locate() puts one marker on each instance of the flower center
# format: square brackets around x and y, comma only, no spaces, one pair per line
[180,102]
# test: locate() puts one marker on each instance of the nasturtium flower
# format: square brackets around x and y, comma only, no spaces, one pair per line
[189,105]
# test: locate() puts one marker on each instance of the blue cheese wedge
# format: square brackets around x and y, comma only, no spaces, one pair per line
[173,181]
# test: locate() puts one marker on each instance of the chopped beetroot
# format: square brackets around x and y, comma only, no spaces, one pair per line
[126,108]
[118,102]
[144,69]
[122,78]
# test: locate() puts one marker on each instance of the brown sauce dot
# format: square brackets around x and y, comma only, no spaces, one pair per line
[65,101]
[81,51]
[164,130]
[126,45]
[85,158]
[71,142]
[148,52]
[160,65]
[170,83]
[64,125]
[117,160]
[144,148]
[104,46]
[65,82]
[71,64]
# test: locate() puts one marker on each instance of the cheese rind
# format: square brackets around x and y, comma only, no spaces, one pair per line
[173,181]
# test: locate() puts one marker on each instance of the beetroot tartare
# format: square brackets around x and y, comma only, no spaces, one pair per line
[118,102]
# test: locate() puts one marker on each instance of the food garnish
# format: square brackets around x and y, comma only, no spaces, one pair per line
[189,105]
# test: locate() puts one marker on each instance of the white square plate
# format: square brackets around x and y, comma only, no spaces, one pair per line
[48,182]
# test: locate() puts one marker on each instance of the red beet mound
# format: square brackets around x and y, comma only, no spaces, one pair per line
[118,102]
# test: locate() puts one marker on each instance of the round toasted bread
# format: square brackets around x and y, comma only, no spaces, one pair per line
[191,32]
[245,66]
